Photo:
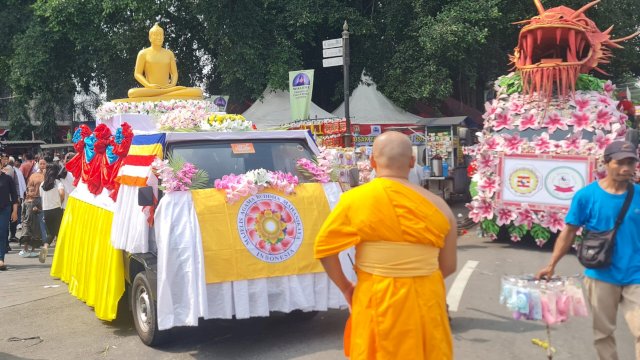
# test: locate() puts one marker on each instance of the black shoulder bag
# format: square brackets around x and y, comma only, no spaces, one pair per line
[596,249]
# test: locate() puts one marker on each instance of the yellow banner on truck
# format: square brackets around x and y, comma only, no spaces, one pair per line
[264,235]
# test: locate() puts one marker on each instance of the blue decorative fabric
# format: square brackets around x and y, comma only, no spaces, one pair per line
[77,136]
[118,137]
[89,143]
[110,155]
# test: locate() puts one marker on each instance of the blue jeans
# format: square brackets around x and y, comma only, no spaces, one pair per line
[43,227]
[5,214]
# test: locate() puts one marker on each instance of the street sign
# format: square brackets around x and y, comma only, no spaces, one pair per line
[327,44]
[334,61]
[332,52]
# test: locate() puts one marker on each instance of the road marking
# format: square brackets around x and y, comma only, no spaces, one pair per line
[457,288]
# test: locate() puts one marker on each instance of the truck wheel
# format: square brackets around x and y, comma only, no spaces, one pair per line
[299,315]
[144,312]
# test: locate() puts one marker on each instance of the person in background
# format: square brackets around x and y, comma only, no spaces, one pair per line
[52,194]
[8,212]
[34,181]
[28,166]
[405,239]
[31,235]
[21,186]
[67,178]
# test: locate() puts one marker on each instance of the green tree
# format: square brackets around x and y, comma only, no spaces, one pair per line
[415,50]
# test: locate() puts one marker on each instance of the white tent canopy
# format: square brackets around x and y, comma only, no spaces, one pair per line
[367,105]
[275,110]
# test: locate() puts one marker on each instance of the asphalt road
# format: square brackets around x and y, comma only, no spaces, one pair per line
[40,320]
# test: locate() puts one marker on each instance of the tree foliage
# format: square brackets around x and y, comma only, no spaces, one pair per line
[415,50]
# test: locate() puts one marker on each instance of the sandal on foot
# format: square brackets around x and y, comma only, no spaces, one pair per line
[43,254]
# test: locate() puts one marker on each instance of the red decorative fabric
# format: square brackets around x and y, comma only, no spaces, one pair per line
[98,173]
[121,150]
[74,166]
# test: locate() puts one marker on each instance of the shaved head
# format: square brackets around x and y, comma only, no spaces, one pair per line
[392,154]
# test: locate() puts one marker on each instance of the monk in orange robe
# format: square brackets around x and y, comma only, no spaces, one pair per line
[405,239]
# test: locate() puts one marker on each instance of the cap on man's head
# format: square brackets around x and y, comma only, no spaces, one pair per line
[619,150]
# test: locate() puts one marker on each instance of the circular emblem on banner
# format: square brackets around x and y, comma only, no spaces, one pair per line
[270,227]
[563,182]
[524,181]
[301,79]
[220,101]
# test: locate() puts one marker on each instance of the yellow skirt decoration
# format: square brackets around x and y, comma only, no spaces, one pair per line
[85,259]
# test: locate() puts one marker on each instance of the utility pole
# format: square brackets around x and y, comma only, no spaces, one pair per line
[345,70]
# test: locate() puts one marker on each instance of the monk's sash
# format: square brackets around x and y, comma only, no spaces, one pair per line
[397,259]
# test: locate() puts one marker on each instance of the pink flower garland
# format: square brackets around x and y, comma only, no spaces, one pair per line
[172,180]
[239,186]
[313,170]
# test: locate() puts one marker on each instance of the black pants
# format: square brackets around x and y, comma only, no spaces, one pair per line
[52,220]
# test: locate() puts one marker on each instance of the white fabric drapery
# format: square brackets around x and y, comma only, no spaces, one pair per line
[181,284]
[183,296]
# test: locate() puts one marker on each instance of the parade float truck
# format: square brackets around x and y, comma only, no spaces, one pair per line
[546,130]
[189,214]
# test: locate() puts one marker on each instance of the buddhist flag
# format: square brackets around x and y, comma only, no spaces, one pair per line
[136,166]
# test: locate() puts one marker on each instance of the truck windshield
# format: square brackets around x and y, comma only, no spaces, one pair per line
[238,157]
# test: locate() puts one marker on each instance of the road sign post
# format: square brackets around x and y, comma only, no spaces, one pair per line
[335,52]
[345,71]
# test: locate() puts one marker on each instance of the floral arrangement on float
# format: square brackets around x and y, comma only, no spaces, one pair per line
[178,175]
[321,169]
[589,111]
[154,108]
[549,92]
[178,115]
[227,122]
[250,183]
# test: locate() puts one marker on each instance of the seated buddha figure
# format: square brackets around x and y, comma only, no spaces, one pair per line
[156,70]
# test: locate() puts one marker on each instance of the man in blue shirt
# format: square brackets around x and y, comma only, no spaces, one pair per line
[596,207]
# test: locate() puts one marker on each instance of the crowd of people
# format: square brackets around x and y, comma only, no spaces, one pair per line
[33,194]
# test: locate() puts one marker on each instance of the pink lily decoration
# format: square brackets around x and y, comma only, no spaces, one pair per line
[554,121]
[608,87]
[603,119]
[480,209]
[504,216]
[524,216]
[486,162]
[554,221]
[622,118]
[542,143]
[580,121]
[512,143]
[492,143]
[581,103]
[490,109]
[574,141]
[516,107]
[503,121]
[605,100]
[602,140]
[489,185]
[529,121]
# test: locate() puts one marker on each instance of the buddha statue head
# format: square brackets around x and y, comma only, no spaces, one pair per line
[156,36]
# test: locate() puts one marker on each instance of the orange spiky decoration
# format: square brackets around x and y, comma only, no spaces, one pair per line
[558,45]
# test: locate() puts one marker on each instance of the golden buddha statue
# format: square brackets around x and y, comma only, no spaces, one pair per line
[156,70]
